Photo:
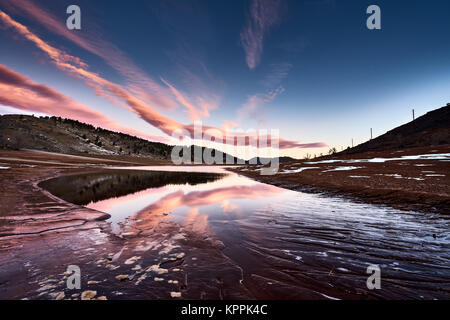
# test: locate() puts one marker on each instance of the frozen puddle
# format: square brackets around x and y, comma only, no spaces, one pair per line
[295,241]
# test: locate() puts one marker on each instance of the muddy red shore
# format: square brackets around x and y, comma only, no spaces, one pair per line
[271,255]
[41,235]
[418,184]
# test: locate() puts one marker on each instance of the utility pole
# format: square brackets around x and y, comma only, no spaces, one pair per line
[414,118]
[370,133]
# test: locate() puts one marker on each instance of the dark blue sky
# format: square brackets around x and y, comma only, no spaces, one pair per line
[309,68]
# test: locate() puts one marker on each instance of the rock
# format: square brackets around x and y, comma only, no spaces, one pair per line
[158,279]
[175,294]
[93,282]
[60,296]
[102,298]
[132,260]
[181,255]
[122,277]
[136,268]
[157,269]
[141,278]
[112,267]
[88,295]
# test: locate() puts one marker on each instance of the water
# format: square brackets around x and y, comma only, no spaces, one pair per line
[238,238]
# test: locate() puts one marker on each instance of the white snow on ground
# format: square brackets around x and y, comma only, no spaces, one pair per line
[102,150]
[435,175]
[358,176]
[4,168]
[397,176]
[325,161]
[390,175]
[343,168]
[297,170]
[432,156]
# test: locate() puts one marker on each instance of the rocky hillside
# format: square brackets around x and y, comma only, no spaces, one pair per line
[431,129]
[67,136]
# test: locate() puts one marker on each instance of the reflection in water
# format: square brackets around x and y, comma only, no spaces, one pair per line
[93,187]
[285,244]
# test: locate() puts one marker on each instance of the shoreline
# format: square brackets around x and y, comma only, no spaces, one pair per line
[412,185]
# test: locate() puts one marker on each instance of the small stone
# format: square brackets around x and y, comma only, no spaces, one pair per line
[157,269]
[93,282]
[176,270]
[136,268]
[88,294]
[181,255]
[141,278]
[158,279]
[132,260]
[102,298]
[60,296]
[175,294]
[162,271]
[122,277]
[112,267]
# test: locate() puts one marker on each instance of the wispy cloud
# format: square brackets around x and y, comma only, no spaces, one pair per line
[263,14]
[20,92]
[116,93]
[101,86]
[277,73]
[252,107]
[142,85]
[194,113]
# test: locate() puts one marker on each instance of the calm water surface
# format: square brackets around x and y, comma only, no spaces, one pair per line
[262,241]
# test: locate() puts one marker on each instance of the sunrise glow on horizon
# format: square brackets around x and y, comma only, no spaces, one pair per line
[312,71]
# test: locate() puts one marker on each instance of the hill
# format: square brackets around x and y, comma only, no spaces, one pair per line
[431,129]
[55,134]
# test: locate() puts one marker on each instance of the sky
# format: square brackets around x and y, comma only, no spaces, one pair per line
[310,69]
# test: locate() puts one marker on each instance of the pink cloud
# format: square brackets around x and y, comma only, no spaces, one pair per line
[147,88]
[20,92]
[255,102]
[116,93]
[144,87]
[195,113]
[263,15]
